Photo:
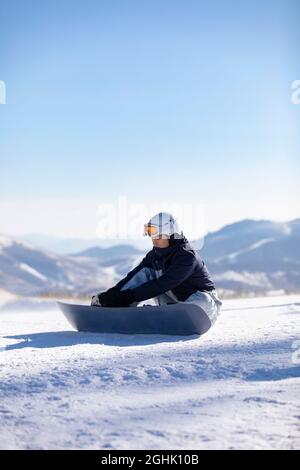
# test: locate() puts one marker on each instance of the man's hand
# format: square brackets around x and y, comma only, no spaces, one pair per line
[116,298]
[95,302]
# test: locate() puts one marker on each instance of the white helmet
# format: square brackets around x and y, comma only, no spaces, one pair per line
[162,223]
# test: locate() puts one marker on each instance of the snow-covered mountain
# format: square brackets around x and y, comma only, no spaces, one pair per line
[113,252]
[119,257]
[27,270]
[69,245]
[247,256]
[255,255]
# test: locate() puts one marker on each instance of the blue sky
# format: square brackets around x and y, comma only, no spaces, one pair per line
[186,101]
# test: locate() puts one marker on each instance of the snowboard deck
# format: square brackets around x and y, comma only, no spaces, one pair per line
[173,319]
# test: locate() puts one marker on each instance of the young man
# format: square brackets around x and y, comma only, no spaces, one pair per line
[169,273]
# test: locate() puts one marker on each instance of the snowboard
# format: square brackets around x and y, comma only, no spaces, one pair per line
[172,319]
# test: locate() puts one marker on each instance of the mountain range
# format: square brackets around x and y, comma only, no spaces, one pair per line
[249,256]
[27,271]
[255,255]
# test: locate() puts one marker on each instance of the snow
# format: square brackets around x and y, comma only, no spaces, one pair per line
[5,242]
[256,279]
[6,297]
[254,246]
[32,271]
[235,387]
[8,241]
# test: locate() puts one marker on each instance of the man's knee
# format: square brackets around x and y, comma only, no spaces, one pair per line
[142,276]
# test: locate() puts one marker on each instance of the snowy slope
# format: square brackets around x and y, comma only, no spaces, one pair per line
[236,387]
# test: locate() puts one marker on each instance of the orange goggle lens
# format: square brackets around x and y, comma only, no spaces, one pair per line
[150,230]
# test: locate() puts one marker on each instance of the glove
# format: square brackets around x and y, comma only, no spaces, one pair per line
[116,298]
[95,302]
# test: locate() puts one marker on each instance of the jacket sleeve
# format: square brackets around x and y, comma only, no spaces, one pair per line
[180,269]
[143,264]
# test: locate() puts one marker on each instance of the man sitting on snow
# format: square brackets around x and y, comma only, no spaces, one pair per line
[169,273]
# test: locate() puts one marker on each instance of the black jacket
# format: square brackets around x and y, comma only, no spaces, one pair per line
[183,272]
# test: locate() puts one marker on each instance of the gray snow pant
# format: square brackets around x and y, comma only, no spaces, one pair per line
[207,300]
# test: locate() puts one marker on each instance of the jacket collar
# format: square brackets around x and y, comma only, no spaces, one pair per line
[176,243]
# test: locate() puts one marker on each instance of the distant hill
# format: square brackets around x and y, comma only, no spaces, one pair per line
[246,257]
[255,255]
[119,257]
[27,270]
[117,251]
[65,246]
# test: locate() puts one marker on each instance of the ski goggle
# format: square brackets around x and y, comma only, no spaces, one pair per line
[150,230]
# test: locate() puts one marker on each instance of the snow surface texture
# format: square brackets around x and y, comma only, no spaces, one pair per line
[235,387]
